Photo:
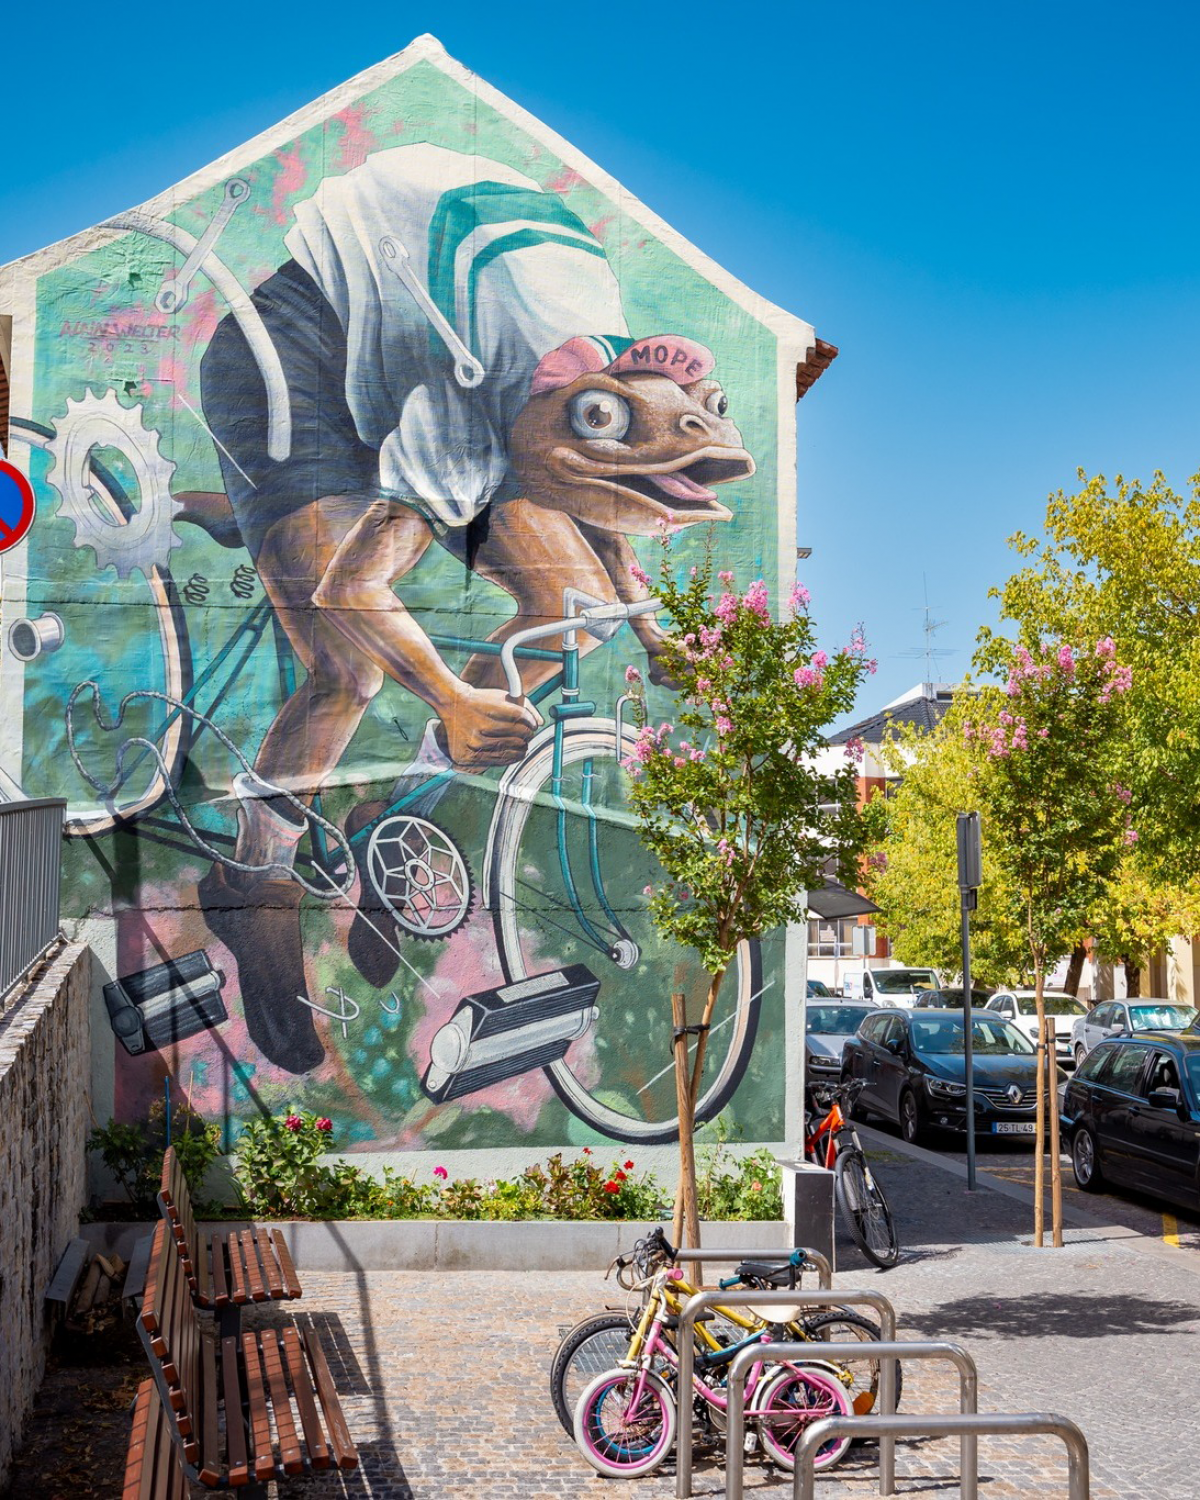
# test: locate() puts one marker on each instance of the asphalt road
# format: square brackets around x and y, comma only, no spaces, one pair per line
[1012,1160]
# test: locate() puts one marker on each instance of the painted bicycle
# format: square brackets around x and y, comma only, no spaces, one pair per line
[564,924]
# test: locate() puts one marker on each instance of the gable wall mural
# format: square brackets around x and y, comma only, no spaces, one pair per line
[328,447]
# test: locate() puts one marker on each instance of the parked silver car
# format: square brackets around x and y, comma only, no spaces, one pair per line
[828,1025]
[1124,1018]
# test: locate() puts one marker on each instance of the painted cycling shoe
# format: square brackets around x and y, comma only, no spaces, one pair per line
[258,920]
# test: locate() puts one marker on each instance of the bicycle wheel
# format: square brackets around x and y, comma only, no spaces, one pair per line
[565,874]
[865,1209]
[843,1328]
[625,1423]
[587,1350]
[792,1401]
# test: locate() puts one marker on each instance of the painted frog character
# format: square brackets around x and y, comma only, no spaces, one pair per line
[532,459]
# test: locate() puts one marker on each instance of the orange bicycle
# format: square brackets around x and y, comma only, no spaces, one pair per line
[830,1140]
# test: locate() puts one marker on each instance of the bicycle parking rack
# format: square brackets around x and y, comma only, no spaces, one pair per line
[990,1424]
[955,1354]
[813,1259]
[786,1297]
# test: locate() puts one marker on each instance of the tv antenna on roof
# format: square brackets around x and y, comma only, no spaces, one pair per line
[928,652]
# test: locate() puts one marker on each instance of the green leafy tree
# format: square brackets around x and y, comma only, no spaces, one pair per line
[730,796]
[1050,801]
[1123,561]
[910,871]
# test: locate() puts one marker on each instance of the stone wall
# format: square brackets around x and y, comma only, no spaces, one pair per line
[44,1065]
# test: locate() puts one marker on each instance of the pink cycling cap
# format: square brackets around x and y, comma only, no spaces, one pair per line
[679,359]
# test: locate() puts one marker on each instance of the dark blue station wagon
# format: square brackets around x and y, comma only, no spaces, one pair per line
[1131,1116]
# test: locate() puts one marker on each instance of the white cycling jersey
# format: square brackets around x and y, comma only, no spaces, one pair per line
[513,271]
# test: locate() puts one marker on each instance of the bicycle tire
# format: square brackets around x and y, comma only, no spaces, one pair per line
[521,789]
[792,1400]
[612,1451]
[594,1345]
[865,1210]
[838,1327]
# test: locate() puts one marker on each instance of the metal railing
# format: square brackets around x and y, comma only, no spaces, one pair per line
[990,1424]
[954,1354]
[784,1298]
[30,857]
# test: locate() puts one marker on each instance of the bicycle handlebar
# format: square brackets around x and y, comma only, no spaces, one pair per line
[596,619]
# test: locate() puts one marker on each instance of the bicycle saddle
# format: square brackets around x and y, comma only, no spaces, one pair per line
[771,1273]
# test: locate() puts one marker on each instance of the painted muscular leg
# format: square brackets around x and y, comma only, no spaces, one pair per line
[256,911]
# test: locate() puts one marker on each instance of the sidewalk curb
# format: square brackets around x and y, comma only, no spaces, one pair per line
[1130,1239]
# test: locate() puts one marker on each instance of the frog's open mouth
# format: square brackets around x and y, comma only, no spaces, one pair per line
[680,484]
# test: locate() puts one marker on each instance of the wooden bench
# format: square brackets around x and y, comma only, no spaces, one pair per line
[153,1467]
[245,1408]
[227,1268]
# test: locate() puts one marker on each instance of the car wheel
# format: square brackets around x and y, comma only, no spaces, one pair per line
[1084,1162]
[910,1117]
[1080,1054]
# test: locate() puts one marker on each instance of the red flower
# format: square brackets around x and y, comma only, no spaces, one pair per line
[293,1123]
[612,1187]
[441,1172]
[629,1166]
[587,1151]
[324,1124]
[619,1176]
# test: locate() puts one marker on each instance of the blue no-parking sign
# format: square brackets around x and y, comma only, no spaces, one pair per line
[16,506]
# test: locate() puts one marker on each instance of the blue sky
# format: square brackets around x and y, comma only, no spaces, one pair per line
[991,210]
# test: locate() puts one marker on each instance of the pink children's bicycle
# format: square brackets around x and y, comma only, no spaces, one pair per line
[625,1418]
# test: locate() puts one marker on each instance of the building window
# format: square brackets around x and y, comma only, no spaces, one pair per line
[831,938]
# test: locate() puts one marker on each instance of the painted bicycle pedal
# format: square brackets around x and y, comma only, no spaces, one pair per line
[501,1032]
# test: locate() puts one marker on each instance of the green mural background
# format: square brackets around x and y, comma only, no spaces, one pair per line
[98,331]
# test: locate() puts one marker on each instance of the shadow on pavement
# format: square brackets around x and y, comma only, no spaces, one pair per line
[1054,1315]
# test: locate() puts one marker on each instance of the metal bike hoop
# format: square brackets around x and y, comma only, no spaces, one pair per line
[784,1298]
[989,1424]
[955,1354]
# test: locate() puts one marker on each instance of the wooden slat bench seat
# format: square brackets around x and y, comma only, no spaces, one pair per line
[225,1268]
[153,1467]
[248,1407]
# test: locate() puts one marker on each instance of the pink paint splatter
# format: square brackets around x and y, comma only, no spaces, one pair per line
[292,176]
[203,315]
[601,225]
[567,177]
[173,373]
[357,140]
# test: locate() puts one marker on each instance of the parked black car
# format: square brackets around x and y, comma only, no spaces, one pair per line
[950,999]
[911,1064]
[1131,1115]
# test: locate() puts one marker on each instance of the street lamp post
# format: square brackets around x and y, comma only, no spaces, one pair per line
[970,877]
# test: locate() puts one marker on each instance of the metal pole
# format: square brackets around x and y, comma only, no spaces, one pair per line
[990,1424]
[783,1298]
[745,1359]
[968,1039]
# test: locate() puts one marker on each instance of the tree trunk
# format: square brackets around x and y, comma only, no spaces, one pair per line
[1075,969]
[686,1226]
[1039,1136]
[1133,978]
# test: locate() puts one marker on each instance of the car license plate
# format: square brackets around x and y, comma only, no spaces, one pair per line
[1014,1127]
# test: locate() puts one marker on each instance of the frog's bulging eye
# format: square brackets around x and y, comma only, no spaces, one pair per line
[599,414]
[716,402]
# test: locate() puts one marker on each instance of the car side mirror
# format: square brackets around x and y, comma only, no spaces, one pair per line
[1116,1028]
[1164,1099]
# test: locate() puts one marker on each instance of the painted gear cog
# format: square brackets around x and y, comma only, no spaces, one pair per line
[420,875]
[123,541]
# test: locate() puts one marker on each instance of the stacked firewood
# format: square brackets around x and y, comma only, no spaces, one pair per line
[97,1303]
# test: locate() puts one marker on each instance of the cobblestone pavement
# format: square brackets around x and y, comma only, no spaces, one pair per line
[445,1379]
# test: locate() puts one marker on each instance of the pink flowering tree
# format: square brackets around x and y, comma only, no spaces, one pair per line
[1058,817]
[733,794]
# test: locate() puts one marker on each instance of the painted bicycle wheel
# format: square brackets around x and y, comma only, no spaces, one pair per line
[566,876]
[790,1403]
[625,1423]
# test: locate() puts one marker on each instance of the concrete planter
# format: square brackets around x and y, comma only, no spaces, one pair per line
[349,1245]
